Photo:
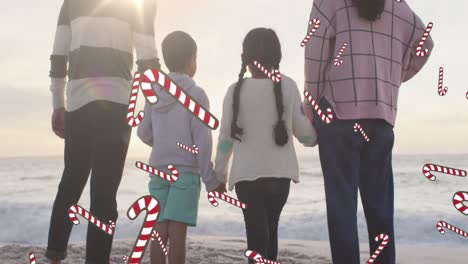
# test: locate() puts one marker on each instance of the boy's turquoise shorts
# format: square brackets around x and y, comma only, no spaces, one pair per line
[178,200]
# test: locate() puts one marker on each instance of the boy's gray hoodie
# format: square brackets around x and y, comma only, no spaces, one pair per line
[168,122]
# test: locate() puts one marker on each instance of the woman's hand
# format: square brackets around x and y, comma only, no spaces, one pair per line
[221,188]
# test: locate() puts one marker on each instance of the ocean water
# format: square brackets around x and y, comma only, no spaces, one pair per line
[29,186]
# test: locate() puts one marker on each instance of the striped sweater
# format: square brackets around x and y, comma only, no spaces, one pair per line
[95,40]
[380,56]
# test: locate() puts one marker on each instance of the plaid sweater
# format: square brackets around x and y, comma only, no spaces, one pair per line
[95,39]
[380,56]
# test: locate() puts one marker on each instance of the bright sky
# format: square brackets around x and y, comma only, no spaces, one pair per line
[426,122]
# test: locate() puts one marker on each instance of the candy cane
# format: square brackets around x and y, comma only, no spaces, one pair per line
[32,258]
[316,23]
[442,224]
[432,167]
[253,255]
[173,177]
[151,205]
[328,118]
[76,209]
[156,76]
[147,92]
[212,195]
[419,50]
[337,61]
[155,235]
[274,76]
[193,150]
[358,127]
[385,239]
[442,91]
[458,200]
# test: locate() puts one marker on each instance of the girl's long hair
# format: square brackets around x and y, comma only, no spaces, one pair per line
[370,9]
[261,45]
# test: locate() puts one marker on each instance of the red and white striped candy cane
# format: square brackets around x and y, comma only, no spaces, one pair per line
[428,168]
[32,258]
[458,199]
[155,235]
[357,127]
[253,255]
[328,118]
[193,150]
[442,90]
[419,50]
[156,76]
[385,239]
[442,224]
[338,61]
[316,23]
[76,209]
[212,195]
[149,95]
[151,205]
[173,177]
[275,76]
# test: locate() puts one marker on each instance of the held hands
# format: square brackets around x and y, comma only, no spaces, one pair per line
[58,122]
[220,189]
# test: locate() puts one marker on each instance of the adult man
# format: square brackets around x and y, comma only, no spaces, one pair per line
[96,39]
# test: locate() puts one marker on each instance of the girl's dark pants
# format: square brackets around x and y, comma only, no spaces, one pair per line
[349,164]
[265,199]
[96,141]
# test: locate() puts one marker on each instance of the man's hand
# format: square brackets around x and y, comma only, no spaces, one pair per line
[221,188]
[58,122]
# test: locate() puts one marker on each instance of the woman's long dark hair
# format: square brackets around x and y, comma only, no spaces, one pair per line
[261,45]
[370,9]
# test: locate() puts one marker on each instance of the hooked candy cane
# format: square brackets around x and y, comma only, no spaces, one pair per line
[328,118]
[193,150]
[155,235]
[337,61]
[76,209]
[212,195]
[156,76]
[149,95]
[442,90]
[442,224]
[432,167]
[385,239]
[173,177]
[358,127]
[274,76]
[151,205]
[253,255]
[458,199]
[32,258]
[419,50]
[316,23]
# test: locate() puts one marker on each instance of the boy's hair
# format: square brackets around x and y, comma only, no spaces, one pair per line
[177,48]
[262,45]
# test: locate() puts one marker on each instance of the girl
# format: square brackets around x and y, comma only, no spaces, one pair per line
[258,118]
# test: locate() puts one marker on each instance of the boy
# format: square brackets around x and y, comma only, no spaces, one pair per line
[166,123]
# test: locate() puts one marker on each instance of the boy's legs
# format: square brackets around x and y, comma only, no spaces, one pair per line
[112,136]
[77,158]
[156,253]
[255,216]
[376,186]
[177,237]
[277,192]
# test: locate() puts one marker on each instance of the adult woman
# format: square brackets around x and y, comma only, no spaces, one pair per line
[382,36]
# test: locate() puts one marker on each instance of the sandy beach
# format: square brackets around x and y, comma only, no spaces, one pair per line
[229,250]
